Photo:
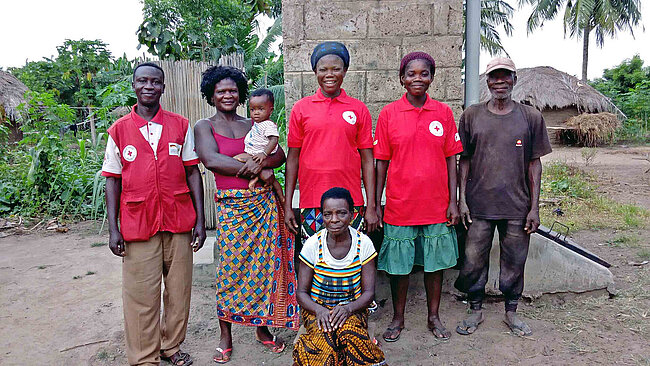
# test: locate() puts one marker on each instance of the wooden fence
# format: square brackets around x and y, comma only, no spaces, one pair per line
[183,96]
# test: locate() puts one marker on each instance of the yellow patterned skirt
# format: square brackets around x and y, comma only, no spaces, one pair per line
[349,345]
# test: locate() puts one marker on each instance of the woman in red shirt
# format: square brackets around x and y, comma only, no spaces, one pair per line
[330,145]
[416,143]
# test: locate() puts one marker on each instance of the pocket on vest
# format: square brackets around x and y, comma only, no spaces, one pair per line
[133,219]
[185,213]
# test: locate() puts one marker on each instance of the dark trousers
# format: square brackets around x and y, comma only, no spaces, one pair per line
[514,250]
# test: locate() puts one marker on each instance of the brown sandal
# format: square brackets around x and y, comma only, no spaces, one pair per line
[179,359]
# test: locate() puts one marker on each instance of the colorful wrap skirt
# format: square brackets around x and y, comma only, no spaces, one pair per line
[349,345]
[256,281]
[434,247]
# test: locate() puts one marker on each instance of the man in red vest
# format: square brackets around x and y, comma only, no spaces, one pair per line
[153,181]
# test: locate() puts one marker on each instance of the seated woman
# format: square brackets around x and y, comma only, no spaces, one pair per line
[336,283]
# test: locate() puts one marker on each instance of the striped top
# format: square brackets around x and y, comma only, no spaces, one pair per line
[336,281]
[258,137]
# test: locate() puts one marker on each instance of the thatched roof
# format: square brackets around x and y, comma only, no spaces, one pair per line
[12,91]
[593,129]
[544,87]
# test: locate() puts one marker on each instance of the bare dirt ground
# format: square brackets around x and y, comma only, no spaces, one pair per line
[58,291]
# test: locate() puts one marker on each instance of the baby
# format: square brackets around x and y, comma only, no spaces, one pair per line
[262,140]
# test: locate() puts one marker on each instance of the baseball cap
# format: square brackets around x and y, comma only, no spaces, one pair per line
[500,63]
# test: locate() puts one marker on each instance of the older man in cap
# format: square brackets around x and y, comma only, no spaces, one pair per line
[500,174]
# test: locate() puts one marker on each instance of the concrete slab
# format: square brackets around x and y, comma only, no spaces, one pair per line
[204,260]
[206,254]
[550,268]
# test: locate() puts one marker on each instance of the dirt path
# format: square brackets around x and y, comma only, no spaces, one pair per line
[58,291]
[621,171]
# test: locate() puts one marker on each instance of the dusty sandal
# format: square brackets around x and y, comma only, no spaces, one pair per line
[521,329]
[221,352]
[276,346]
[440,333]
[469,327]
[390,331]
[179,359]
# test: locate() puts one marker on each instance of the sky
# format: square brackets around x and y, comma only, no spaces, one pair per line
[31,30]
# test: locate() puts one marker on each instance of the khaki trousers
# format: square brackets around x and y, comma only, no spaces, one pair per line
[164,256]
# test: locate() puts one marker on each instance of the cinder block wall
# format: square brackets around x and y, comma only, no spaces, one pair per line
[378,34]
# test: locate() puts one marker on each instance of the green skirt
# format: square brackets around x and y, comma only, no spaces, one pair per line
[434,247]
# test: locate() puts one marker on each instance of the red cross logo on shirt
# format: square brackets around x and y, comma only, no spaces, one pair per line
[436,129]
[129,153]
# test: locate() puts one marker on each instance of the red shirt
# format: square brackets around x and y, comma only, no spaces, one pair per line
[329,132]
[416,141]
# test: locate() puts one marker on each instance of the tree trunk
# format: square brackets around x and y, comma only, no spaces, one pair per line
[585,51]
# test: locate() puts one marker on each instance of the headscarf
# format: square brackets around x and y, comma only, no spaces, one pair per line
[330,48]
[417,56]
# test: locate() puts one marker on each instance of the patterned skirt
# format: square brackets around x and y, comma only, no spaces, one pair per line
[311,220]
[256,282]
[349,345]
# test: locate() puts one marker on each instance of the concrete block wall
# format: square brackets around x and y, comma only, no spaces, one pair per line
[378,34]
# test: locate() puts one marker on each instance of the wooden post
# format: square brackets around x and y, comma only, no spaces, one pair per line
[93,131]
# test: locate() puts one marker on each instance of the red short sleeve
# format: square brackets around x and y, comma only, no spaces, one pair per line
[382,149]
[364,130]
[453,145]
[296,130]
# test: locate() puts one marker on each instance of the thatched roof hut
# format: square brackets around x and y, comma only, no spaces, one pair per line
[12,94]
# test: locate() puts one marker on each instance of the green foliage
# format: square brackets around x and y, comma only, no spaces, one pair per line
[628,86]
[55,174]
[564,180]
[43,115]
[203,30]
[575,193]
[263,67]
[73,75]
[193,29]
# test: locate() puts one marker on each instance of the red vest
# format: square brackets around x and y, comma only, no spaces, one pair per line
[155,196]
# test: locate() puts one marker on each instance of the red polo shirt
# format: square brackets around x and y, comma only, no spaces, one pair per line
[416,141]
[329,132]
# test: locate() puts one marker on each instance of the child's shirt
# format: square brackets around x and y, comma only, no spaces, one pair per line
[258,137]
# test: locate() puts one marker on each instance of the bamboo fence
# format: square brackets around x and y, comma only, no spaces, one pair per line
[183,96]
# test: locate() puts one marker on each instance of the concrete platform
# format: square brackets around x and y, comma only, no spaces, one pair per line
[550,268]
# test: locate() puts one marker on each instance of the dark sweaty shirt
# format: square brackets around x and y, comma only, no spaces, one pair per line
[499,148]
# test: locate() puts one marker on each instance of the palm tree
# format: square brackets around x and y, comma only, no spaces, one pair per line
[581,17]
[494,13]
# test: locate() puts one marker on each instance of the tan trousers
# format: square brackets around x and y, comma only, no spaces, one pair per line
[167,256]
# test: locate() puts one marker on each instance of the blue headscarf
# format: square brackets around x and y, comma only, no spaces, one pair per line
[330,48]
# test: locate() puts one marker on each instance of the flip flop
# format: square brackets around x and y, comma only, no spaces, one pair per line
[466,325]
[391,330]
[224,358]
[273,346]
[441,331]
[518,330]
